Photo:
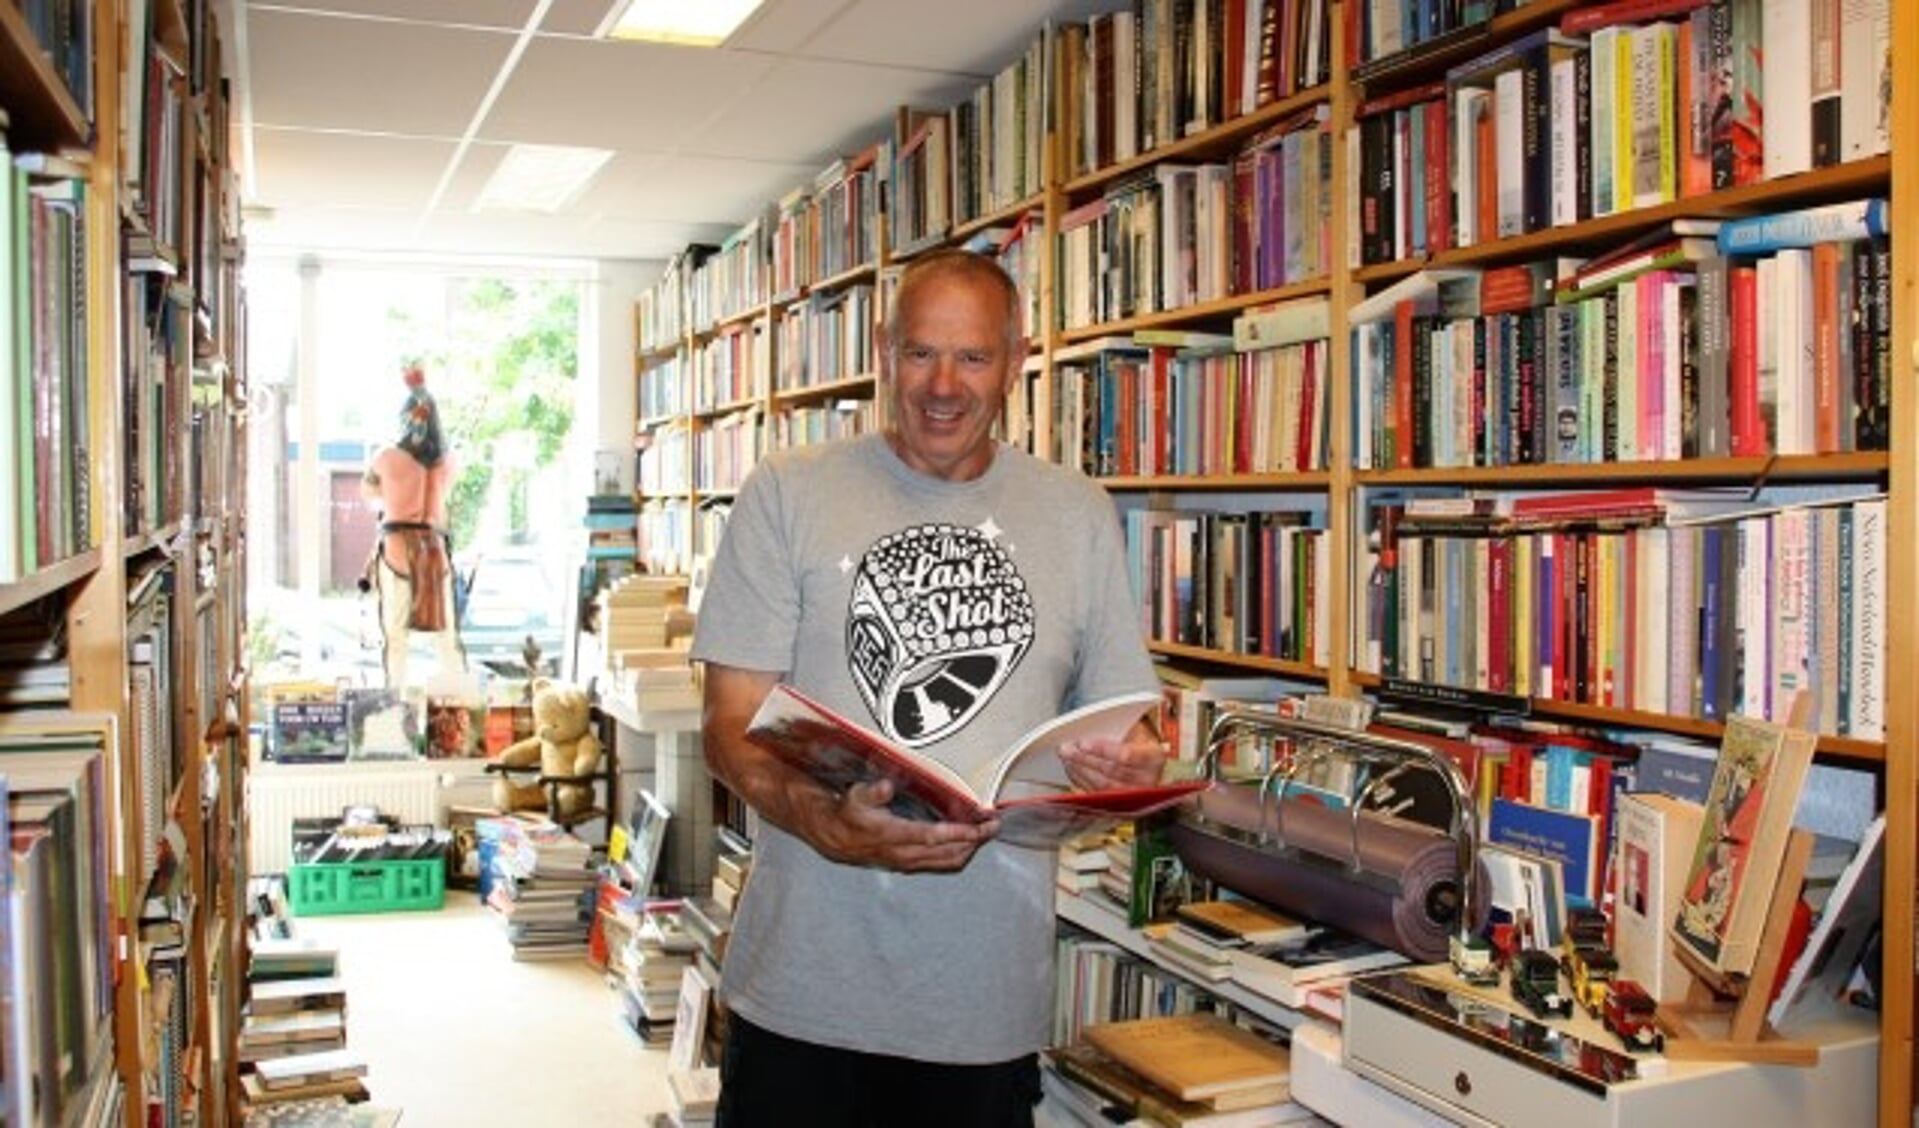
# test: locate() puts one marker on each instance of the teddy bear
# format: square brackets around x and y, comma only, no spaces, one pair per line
[562,744]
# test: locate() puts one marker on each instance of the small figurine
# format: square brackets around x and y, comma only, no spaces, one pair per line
[1535,982]
[1629,1014]
[1591,970]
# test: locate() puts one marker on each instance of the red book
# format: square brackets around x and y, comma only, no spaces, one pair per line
[1499,619]
[1825,347]
[1403,346]
[1583,20]
[1749,438]
[1402,99]
[1439,191]
[1235,60]
[1162,439]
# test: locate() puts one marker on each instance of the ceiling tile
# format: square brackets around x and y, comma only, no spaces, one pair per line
[470,13]
[974,37]
[691,189]
[575,17]
[810,111]
[300,167]
[613,95]
[300,77]
[785,25]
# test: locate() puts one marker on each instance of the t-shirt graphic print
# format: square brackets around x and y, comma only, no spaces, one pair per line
[938,620]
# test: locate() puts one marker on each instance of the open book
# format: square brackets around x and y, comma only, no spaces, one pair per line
[1025,788]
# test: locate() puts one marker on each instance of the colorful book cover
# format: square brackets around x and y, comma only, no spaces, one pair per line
[1742,843]
[1571,840]
[309,732]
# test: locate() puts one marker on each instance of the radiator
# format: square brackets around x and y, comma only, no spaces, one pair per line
[279,793]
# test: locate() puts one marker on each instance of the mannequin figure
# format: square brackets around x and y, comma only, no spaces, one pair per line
[412,567]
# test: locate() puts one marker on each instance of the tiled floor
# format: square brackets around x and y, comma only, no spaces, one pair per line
[459,1035]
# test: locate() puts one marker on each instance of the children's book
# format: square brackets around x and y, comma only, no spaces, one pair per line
[1742,842]
[1025,787]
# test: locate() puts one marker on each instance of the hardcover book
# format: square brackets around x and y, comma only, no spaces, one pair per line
[1025,787]
[1742,842]
[1195,1057]
[1656,833]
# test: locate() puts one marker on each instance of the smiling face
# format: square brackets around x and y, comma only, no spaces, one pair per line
[951,351]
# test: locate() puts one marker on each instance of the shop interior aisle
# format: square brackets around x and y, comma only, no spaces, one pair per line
[457,1033]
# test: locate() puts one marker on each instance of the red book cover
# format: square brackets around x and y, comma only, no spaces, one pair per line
[1825,347]
[1162,439]
[1583,20]
[1235,35]
[1499,621]
[1749,438]
[1403,99]
[1439,192]
[1245,237]
[1403,346]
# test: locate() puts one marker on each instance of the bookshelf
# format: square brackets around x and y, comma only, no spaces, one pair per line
[146,589]
[1077,171]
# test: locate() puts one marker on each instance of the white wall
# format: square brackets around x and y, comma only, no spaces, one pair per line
[608,385]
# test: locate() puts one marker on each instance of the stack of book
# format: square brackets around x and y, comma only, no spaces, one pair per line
[1083,861]
[292,1044]
[647,970]
[730,870]
[543,887]
[1188,1069]
[696,1096]
[644,631]
[1204,936]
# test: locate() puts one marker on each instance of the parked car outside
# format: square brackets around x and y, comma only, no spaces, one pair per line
[511,596]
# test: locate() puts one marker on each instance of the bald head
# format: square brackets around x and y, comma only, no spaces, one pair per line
[956,264]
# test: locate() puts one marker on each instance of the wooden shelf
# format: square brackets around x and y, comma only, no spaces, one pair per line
[50,579]
[1430,59]
[1219,138]
[44,113]
[918,246]
[1818,186]
[649,422]
[144,542]
[720,492]
[727,408]
[1203,311]
[1300,480]
[1831,747]
[1241,661]
[1011,212]
[1858,466]
[650,357]
[864,272]
[832,389]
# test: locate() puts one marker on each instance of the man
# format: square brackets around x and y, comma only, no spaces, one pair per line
[954,593]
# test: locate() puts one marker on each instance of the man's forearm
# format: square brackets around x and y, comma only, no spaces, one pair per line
[782,794]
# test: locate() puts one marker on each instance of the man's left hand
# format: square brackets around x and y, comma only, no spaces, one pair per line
[1100,765]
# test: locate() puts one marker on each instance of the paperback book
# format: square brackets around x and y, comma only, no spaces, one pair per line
[1025,787]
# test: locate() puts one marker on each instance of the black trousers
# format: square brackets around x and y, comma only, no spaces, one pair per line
[771,1081]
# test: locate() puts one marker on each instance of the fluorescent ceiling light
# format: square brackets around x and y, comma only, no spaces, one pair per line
[691,23]
[540,178]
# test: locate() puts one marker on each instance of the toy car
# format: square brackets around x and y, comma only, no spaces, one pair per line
[1629,1014]
[1536,983]
[1585,928]
[1591,970]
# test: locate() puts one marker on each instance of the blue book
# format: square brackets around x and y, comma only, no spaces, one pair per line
[1834,223]
[1416,157]
[1671,767]
[1569,839]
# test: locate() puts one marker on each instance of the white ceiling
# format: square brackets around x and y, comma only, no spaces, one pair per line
[371,125]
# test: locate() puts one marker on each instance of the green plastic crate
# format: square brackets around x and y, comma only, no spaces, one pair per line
[393,886]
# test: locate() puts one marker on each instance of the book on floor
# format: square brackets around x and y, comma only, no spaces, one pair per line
[310,1069]
[1025,787]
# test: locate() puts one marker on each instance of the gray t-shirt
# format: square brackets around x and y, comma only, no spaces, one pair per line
[952,617]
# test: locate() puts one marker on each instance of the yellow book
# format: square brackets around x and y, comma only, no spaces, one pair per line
[1622,167]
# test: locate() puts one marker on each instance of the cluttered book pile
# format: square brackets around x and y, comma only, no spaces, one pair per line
[1187,1069]
[542,883]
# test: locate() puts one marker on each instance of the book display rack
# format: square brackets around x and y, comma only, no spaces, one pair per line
[122,563]
[1449,193]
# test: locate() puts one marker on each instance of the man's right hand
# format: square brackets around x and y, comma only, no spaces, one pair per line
[858,829]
